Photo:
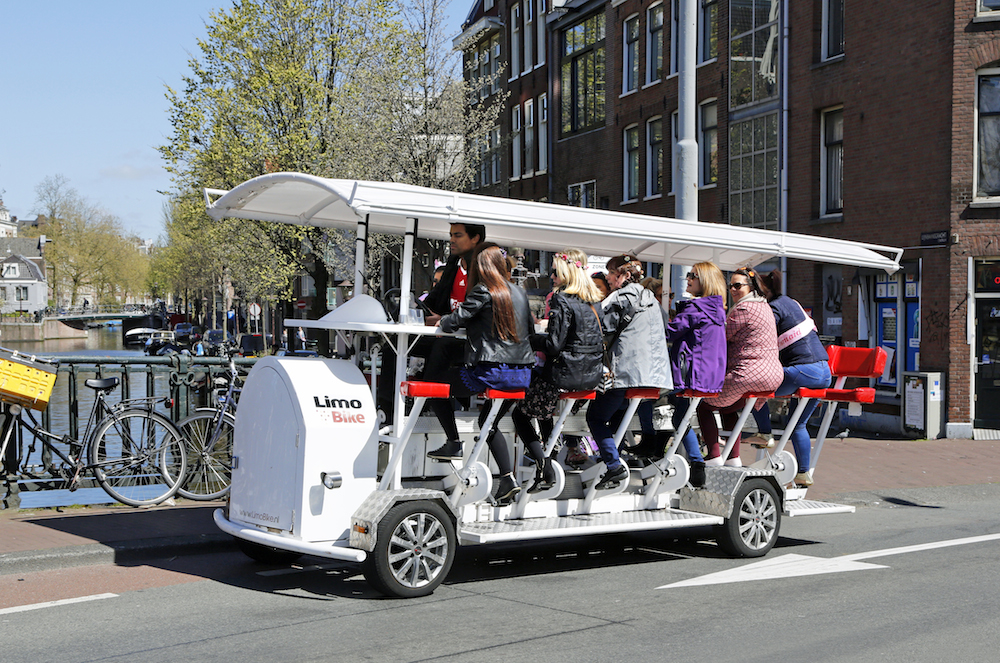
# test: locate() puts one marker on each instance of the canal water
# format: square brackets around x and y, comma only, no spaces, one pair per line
[100,342]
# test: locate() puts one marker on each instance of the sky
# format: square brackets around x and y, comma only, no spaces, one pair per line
[83,95]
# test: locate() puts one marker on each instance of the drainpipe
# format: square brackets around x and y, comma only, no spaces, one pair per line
[783,202]
[687,106]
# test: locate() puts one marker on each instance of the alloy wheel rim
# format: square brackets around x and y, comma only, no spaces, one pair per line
[418,549]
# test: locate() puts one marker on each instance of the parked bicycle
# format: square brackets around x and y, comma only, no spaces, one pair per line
[135,454]
[208,434]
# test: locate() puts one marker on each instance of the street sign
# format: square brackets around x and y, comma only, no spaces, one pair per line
[300,304]
[254,310]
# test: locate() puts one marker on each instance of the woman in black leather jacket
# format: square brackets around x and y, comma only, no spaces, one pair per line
[574,350]
[498,355]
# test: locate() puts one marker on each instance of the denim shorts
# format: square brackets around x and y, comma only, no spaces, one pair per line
[487,375]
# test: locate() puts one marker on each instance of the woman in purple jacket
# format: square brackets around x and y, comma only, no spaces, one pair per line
[697,335]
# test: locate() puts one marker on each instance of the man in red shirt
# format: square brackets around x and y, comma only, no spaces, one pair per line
[449,293]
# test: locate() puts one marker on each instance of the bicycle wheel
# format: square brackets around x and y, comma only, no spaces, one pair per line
[209,455]
[138,457]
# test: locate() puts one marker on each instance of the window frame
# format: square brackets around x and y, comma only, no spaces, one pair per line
[543,133]
[652,36]
[631,164]
[978,200]
[528,36]
[584,187]
[515,143]
[675,20]
[737,173]
[704,32]
[703,154]
[651,191]
[825,210]
[495,146]
[675,118]
[528,166]
[755,29]
[515,41]
[595,52]
[630,55]
[825,53]
[986,11]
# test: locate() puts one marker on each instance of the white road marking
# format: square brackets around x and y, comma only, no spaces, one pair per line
[792,565]
[52,604]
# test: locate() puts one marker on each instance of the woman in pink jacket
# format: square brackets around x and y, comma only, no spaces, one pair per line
[752,362]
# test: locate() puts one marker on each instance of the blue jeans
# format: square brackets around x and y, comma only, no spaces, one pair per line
[690,439]
[600,414]
[810,376]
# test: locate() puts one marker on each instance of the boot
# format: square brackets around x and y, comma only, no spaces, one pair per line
[449,451]
[545,477]
[507,488]
[697,478]
[613,478]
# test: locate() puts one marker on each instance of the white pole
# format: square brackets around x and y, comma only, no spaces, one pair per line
[687,107]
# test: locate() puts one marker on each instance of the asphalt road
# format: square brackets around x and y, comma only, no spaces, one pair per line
[876,592]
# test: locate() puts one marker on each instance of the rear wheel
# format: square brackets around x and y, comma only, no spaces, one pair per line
[414,550]
[209,455]
[266,554]
[138,457]
[752,529]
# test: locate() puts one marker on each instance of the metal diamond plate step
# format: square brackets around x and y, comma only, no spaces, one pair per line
[598,523]
[814,508]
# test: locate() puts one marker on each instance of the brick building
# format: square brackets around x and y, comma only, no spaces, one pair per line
[874,122]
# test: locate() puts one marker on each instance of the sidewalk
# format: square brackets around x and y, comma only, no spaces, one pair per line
[46,538]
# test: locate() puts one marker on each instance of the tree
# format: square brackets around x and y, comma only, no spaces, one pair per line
[336,88]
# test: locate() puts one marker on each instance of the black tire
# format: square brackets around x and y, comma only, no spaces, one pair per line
[138,457]
[209,462]
[414,550]
[258,552]
[752,529]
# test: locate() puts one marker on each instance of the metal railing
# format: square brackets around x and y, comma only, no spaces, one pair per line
[187,380]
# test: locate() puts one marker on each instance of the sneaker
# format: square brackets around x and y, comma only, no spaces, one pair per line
[761,441]
[613,478]
[575,457]
[507,488]
[803,479]
[714,462]
[449,451]
[734,462]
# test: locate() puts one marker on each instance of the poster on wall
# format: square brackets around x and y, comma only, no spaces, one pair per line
[833,318]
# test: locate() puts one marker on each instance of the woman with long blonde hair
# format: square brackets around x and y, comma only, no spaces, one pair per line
[573,349]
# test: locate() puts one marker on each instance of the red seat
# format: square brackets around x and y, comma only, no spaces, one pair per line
[856,362]
[691,393]
[425,389]
[759,394]
[805,392]
[856,395]
[578,395]
[496,393]
[643,393]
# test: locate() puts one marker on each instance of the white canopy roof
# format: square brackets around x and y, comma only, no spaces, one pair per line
[302,199]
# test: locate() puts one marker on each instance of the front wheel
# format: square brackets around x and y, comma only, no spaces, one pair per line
[414,550]
[209,454]
[752,529]
[138,457]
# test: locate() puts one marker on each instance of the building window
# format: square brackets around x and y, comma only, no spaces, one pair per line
[485,69]
[488,5]
[631,163]
[654,49]
[515,41]
[515,143]
[753,52]
[832,168]
[708,146]
[675,35]
[833,28]
[583,194]
[540,37]
[529,35]
[529,136]
[495,63]
[21,293]
[630,67]
[708,30]
[674,129]
[654,140]
[988,134]
[473,69]
[543,132]
[3,295]
[988,6]
[753,172]
[582,79]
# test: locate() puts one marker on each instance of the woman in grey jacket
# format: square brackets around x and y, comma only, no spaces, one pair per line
[637,353]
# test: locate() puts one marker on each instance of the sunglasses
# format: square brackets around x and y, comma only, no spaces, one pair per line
[737,286]
[691,276]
